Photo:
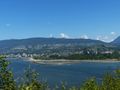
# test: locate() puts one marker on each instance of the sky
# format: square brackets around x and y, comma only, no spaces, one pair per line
[94,19]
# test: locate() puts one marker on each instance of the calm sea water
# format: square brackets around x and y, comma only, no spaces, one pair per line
[72,74]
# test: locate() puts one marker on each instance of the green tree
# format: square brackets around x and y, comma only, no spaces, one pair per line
[91,84]
[30,81]
[6,76]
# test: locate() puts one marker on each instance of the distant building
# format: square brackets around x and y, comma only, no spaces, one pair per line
[107,52]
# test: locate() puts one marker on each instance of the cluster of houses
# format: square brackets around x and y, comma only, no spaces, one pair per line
[59,53]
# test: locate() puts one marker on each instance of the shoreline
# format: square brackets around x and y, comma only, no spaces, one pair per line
[67,62]
[64,61]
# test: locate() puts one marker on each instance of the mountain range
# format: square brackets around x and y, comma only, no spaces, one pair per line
[42,44]
[116,41]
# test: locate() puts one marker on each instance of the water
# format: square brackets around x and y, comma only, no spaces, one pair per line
[73,74]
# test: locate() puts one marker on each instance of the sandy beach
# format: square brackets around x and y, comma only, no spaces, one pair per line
[63,61]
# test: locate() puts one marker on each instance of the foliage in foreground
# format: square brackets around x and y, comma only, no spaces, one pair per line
[30,81]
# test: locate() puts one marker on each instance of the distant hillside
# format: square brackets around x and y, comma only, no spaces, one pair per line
[116,41]
[41,41]
[33,44]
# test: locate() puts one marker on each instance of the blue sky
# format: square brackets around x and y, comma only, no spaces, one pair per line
[96,19]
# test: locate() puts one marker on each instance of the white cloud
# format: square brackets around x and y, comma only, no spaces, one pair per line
[84,37]
[113,33]
[51,36]
[98,37]
[107,38]
[104,38]
[62,35]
